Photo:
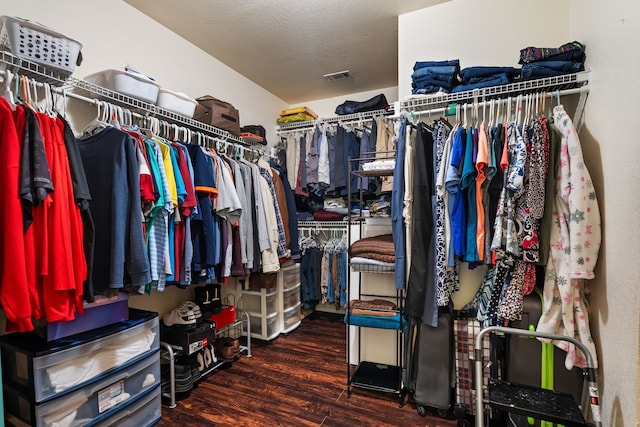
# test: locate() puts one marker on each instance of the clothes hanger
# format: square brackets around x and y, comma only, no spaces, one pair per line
[26,96]
[6,89]
[99,122]
[48,96]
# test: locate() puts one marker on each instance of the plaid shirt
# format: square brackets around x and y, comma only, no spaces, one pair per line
[283,252]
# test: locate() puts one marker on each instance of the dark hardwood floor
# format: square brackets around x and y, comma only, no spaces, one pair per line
[295,380]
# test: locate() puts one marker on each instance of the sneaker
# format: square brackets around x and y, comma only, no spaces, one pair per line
[180,317]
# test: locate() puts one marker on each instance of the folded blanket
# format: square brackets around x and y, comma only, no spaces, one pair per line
[376,304]
[384,322]
[363,312]
[380,245]
[387,259]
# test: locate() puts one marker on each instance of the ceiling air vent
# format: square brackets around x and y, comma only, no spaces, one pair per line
[337,76]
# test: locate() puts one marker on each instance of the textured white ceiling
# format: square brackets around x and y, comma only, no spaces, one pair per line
[286,46]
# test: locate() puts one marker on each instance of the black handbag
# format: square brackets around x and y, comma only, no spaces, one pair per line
[378,102]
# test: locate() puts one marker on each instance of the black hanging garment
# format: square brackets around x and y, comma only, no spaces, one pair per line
[421,287]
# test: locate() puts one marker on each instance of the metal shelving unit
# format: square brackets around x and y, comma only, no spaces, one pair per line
[169,354]
[369,375]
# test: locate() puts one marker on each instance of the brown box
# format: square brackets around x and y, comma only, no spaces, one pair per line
[220,114]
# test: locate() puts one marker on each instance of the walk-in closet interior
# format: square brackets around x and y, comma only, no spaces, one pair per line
[449,246]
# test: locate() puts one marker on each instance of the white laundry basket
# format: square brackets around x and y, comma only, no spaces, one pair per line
[32,41]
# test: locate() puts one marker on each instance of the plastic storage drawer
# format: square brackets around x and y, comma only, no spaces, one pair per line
[144,412]
[95,401]
[292,317]
[291,297]
[265,327]
[252,301]
[37,368]
[290,276]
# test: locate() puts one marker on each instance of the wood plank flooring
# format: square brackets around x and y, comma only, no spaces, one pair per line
[295,380]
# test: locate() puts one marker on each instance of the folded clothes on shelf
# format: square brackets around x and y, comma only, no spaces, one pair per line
[379,165]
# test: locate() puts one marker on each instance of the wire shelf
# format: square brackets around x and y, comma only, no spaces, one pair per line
[31,69]
[81,87]
[152,110]
[336,119]
[372,268]
[323,224]
[548,84]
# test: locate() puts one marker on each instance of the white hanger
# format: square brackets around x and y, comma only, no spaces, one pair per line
[6,89]
[99,122]
[491,112]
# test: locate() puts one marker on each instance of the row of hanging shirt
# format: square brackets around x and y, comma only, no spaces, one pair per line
[323,267]
[317,159]
[45,204]
[206,215]
[116,207]
[512,192]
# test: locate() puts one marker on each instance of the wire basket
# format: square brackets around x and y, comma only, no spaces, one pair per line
[34,42]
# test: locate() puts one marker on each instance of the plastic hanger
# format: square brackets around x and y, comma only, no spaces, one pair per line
[6,89]
[26,96]
[99,122]
[48,100]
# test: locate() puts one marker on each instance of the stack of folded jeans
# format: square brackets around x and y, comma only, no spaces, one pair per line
[539,62]
[434,76]
[479,77]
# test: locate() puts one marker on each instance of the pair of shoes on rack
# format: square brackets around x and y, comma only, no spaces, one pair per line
[183,378]
[186,316]
[206,358]
[225,350]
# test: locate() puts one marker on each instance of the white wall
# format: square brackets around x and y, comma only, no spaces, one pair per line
[611,32]
[488,32]
[113,33]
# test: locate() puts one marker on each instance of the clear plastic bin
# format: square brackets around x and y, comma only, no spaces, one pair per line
[292,317]
[290,276]
[146,411]
[265,327]
[291,297]
[252,301]
[92,402]
[40,369]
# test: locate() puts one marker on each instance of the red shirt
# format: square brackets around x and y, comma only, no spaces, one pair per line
[14,293]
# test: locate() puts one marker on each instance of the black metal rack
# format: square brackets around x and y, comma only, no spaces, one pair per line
[380,377]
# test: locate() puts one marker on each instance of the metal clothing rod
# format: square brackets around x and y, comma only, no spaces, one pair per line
[323,229]
[323,224]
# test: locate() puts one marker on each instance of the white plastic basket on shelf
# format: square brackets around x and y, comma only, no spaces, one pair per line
[32,41]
